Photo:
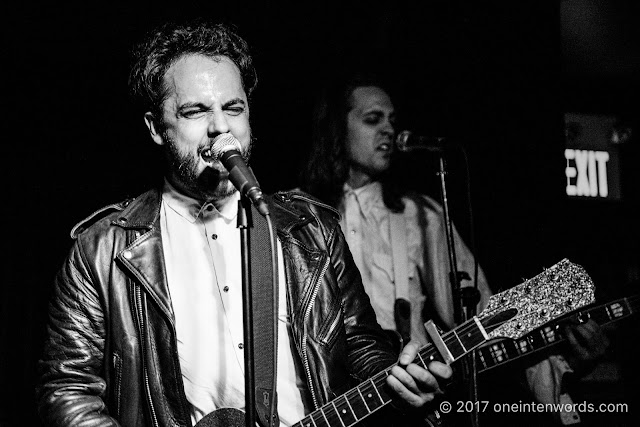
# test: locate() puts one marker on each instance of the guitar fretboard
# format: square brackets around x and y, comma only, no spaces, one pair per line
[506,350]
[372,395]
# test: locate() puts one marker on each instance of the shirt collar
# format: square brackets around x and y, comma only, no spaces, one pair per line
[367,196]
[192,209]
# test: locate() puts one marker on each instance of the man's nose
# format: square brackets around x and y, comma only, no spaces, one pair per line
[388,129]
[218,124]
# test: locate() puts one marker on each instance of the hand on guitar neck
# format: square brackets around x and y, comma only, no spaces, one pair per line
[413,385]
[588,345]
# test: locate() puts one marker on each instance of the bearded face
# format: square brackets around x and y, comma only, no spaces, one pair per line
[205,98]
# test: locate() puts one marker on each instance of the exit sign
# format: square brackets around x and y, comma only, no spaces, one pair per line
[592,164]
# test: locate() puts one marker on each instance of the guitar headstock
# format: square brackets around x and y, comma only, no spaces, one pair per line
[558,290]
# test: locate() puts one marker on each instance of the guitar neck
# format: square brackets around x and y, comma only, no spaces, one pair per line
[506,350]
[372,394]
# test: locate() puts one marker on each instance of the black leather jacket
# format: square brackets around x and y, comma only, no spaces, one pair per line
[111,356]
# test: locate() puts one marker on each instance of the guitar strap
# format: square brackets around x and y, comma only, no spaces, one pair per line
[402,305]
[265,332]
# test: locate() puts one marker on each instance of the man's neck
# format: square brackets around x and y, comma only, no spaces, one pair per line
[218,200]
[358,178]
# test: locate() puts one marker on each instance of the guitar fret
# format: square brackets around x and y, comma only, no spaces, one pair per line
[345,411]
[481,358]
[355,416]
[550,335]
[503,347]
[422,360]
[459,341]
[370,395]
[523,346]
[616,310]
[454,347]
[497,352]
[377,392]
[305,422]
[536,340]
[481,328]
[337,413]
[325,417]
[363,399]
[471,334]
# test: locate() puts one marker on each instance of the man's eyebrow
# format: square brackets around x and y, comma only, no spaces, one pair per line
[234,101]
[379,111]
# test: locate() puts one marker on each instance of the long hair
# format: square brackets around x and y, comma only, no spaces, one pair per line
[327,167]
[165,45]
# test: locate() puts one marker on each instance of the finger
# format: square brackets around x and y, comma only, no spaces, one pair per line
[414,386]
[440,370]
[571,337]
[425,381]
[590,337]
[407,396]
[409,353]
[405,378]
[586,330]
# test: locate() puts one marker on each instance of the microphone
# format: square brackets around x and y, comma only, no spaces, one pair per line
[227,149]
[408,141]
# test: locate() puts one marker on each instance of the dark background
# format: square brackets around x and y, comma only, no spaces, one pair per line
[493,77]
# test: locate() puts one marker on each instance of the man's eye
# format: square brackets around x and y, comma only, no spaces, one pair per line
[372,120]
[235,111]
[192,113]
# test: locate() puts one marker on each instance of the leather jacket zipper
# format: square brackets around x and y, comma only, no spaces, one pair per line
[144,354]
[307,313]
[332,328]
[117,366]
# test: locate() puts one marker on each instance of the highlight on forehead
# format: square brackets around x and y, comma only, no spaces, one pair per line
[195,68]
[371,97]
[168,80]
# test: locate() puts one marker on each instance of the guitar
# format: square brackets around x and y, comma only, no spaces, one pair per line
[558,290]
[502,351]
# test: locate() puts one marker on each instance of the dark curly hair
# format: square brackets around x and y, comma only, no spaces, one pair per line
[166,44]
[327,168]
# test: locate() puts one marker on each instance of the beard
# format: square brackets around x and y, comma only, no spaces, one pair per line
[209,185]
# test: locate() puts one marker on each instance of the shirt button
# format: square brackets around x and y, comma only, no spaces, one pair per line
[353,231]
[240,346]
[226,289]
[214,236]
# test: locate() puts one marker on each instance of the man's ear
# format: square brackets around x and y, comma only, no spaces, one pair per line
[154,129]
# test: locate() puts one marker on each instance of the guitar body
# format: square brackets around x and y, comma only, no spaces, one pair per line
[223,417]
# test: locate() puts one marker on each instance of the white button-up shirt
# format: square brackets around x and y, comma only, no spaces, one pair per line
[203,262]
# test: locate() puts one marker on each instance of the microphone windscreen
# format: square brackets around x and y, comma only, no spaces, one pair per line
[402,140]
[224,142]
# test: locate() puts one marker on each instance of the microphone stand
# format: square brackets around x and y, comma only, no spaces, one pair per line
[464,300]
[244,223]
